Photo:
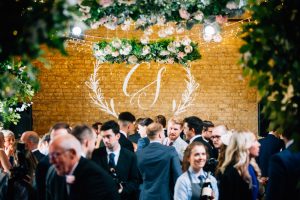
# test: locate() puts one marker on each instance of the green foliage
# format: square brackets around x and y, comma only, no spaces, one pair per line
[19,85]
[133,51]
[271,58]
[146,13]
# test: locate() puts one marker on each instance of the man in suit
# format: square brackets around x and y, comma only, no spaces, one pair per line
[118,161]
[192,128]
[126,123]
[175,127]
[60,128]
[159,166]
[269,146]
[284,172]
[84,179]
[31,141]
[206,136]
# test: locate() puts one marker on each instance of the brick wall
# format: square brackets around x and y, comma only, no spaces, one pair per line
[223,96]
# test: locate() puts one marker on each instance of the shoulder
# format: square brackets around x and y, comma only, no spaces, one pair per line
[183,179]
[99,152]
[127,153]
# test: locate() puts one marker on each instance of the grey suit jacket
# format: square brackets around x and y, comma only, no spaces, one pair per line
[159,167]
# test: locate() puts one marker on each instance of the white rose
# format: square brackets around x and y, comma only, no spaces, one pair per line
[171,48]
[164,53]
[132,59]
[146,50]
[107,49]
[188,49]
[116,43]
[186,41]
[115,54]
[199,16]
[145,40]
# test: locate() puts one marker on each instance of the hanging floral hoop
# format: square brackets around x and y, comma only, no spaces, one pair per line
[133,52]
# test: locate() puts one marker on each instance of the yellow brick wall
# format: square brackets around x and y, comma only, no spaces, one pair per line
[223,96]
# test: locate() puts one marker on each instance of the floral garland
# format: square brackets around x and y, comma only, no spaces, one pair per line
[23,88]
[111,13]
[133,51]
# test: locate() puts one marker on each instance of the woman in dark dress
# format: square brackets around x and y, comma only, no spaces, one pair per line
[239,172]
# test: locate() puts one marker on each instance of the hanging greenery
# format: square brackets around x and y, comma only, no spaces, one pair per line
[271,58]
[24,27]
[24,88]
[145,13]
[133,51]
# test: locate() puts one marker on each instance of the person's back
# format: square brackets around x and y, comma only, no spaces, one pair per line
[270,145]
[155,162]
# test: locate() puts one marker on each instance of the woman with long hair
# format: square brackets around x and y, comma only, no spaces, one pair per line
[189,185]
[239,170]
[4,162]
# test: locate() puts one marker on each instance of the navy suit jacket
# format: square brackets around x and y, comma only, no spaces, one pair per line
[159,166]
[270,145]
[126,170]
[284,176]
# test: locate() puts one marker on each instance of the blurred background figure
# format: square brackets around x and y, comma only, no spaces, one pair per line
[44,144]
[97,129]
[142,129]
[5,165]
[162,120]
[9,145]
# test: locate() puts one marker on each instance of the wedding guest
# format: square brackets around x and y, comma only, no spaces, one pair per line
[159,166]
[175,127]
[162,120]
[136,136]
[189,184]
[97,129]
[85,180]
[31,141]
[239,171]
[44,144]
[5,165]
[142,129]
[9,145]
[126,122]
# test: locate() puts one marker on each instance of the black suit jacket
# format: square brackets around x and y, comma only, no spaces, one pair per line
[269,146]
[40,177]
[209,148]
[92,183]
[124,142]
[126,170]
[284,176]
[232,186]
[38,155]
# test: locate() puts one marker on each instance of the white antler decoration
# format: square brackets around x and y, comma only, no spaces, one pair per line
[97,95]
[186,98]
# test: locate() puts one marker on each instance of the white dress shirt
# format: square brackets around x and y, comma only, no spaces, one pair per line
[179,144]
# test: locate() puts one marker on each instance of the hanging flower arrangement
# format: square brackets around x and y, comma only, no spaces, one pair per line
[133,51]
[185,13]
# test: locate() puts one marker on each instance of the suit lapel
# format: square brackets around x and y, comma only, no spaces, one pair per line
[104,161]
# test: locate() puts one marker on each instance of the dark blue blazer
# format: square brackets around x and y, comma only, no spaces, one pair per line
[270,145]
[284,176]
[159,166]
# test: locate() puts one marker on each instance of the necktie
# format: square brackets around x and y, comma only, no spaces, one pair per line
[171,144]
[201,178]
[111,161]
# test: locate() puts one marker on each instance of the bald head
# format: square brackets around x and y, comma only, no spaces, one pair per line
[30,139]
[64,153]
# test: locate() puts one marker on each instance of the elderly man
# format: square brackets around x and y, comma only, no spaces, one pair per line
[31,141]
[217,133]
[175,127]
[85,180]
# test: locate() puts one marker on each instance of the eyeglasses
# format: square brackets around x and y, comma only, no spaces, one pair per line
[215,137]
[55,155]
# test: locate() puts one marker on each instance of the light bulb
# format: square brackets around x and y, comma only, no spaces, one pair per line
[76,30]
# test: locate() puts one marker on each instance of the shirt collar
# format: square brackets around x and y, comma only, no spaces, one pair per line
[155,141]
[197,174]
[289,143]
[193,138]
[117,151]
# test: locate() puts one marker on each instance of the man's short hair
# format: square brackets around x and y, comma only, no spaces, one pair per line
[113,125]
[207,124]
[161,119]
[96,124]
[176,120]
[126,116]
[34,139]
[195,123]
[61,125]
[82,132]
[153,129]
[146,122]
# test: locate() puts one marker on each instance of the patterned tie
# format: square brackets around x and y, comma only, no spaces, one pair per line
[171,144]
[111,161]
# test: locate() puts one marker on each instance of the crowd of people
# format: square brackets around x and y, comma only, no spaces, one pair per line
[148,159]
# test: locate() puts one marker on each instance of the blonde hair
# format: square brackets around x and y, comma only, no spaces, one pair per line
[153,129]
[176,120]
[237,153]
[8,133]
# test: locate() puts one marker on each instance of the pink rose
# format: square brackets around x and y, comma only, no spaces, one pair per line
[184,14]
[220,19]
[180,55]
[105,3]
